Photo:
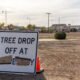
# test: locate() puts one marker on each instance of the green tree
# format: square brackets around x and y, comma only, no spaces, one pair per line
[43,29]
[34,27]
[1,26]
[22,28]
[51,30]
[10,27]
[31,27]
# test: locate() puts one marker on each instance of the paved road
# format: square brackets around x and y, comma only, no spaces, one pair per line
[56,40]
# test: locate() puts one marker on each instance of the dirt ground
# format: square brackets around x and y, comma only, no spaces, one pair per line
[60,60]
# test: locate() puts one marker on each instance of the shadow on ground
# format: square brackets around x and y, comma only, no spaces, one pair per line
[21,77]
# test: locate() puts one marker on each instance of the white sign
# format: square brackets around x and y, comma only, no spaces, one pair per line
[18,51]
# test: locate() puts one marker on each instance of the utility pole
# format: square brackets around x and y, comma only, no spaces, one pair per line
[48,19]
[5,13]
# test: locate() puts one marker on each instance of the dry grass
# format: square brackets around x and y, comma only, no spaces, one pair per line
[60,59]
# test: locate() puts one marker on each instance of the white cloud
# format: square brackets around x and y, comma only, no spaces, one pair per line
[36,10]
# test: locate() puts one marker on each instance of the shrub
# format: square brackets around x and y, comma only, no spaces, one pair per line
[60,35]
[51,31]
[43,30]
[73,30]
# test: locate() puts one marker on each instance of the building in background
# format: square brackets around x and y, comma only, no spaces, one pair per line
[38,29]
[59,27]
[74,27]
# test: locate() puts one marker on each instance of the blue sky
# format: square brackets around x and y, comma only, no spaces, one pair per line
[22,12]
